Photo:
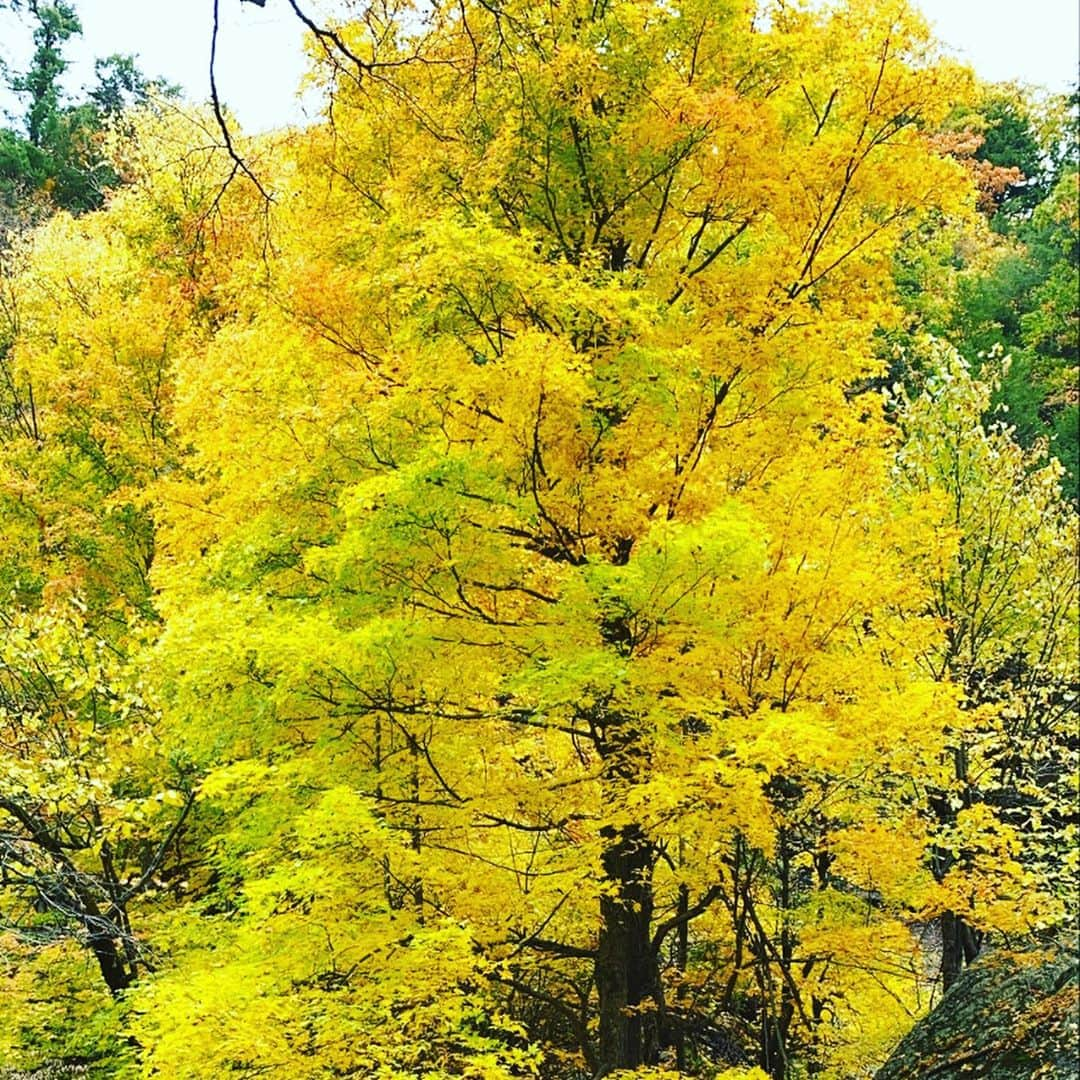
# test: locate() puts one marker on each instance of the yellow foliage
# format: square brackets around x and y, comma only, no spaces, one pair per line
[532,601]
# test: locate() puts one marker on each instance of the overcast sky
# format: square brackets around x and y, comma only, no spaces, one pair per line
[261,50]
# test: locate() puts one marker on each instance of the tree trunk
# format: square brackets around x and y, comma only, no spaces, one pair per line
[627,970]
[682,960]
[115,971]
[960,945]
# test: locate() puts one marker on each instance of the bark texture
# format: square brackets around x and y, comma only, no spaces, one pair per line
[627,975]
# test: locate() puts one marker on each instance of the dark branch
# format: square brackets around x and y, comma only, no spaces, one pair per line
[219,113]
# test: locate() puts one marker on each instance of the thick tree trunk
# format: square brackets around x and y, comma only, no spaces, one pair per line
[627,971]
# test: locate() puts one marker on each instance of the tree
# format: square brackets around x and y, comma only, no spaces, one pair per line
[1013,287]
[91,814]
[72,855]
[1007,593]
[533,531]
[57,155]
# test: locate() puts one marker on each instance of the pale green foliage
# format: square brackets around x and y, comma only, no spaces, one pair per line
[1005,587]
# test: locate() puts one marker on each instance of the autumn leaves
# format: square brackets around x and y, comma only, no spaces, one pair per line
[495,546]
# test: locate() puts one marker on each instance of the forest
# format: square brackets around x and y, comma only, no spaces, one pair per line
[565,568]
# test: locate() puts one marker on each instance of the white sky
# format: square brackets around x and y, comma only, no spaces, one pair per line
[261,50]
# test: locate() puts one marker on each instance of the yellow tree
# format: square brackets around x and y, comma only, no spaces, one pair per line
[531,540]
[91,812]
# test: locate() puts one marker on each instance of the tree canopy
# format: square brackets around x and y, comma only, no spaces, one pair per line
[469,608]
[54,155]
